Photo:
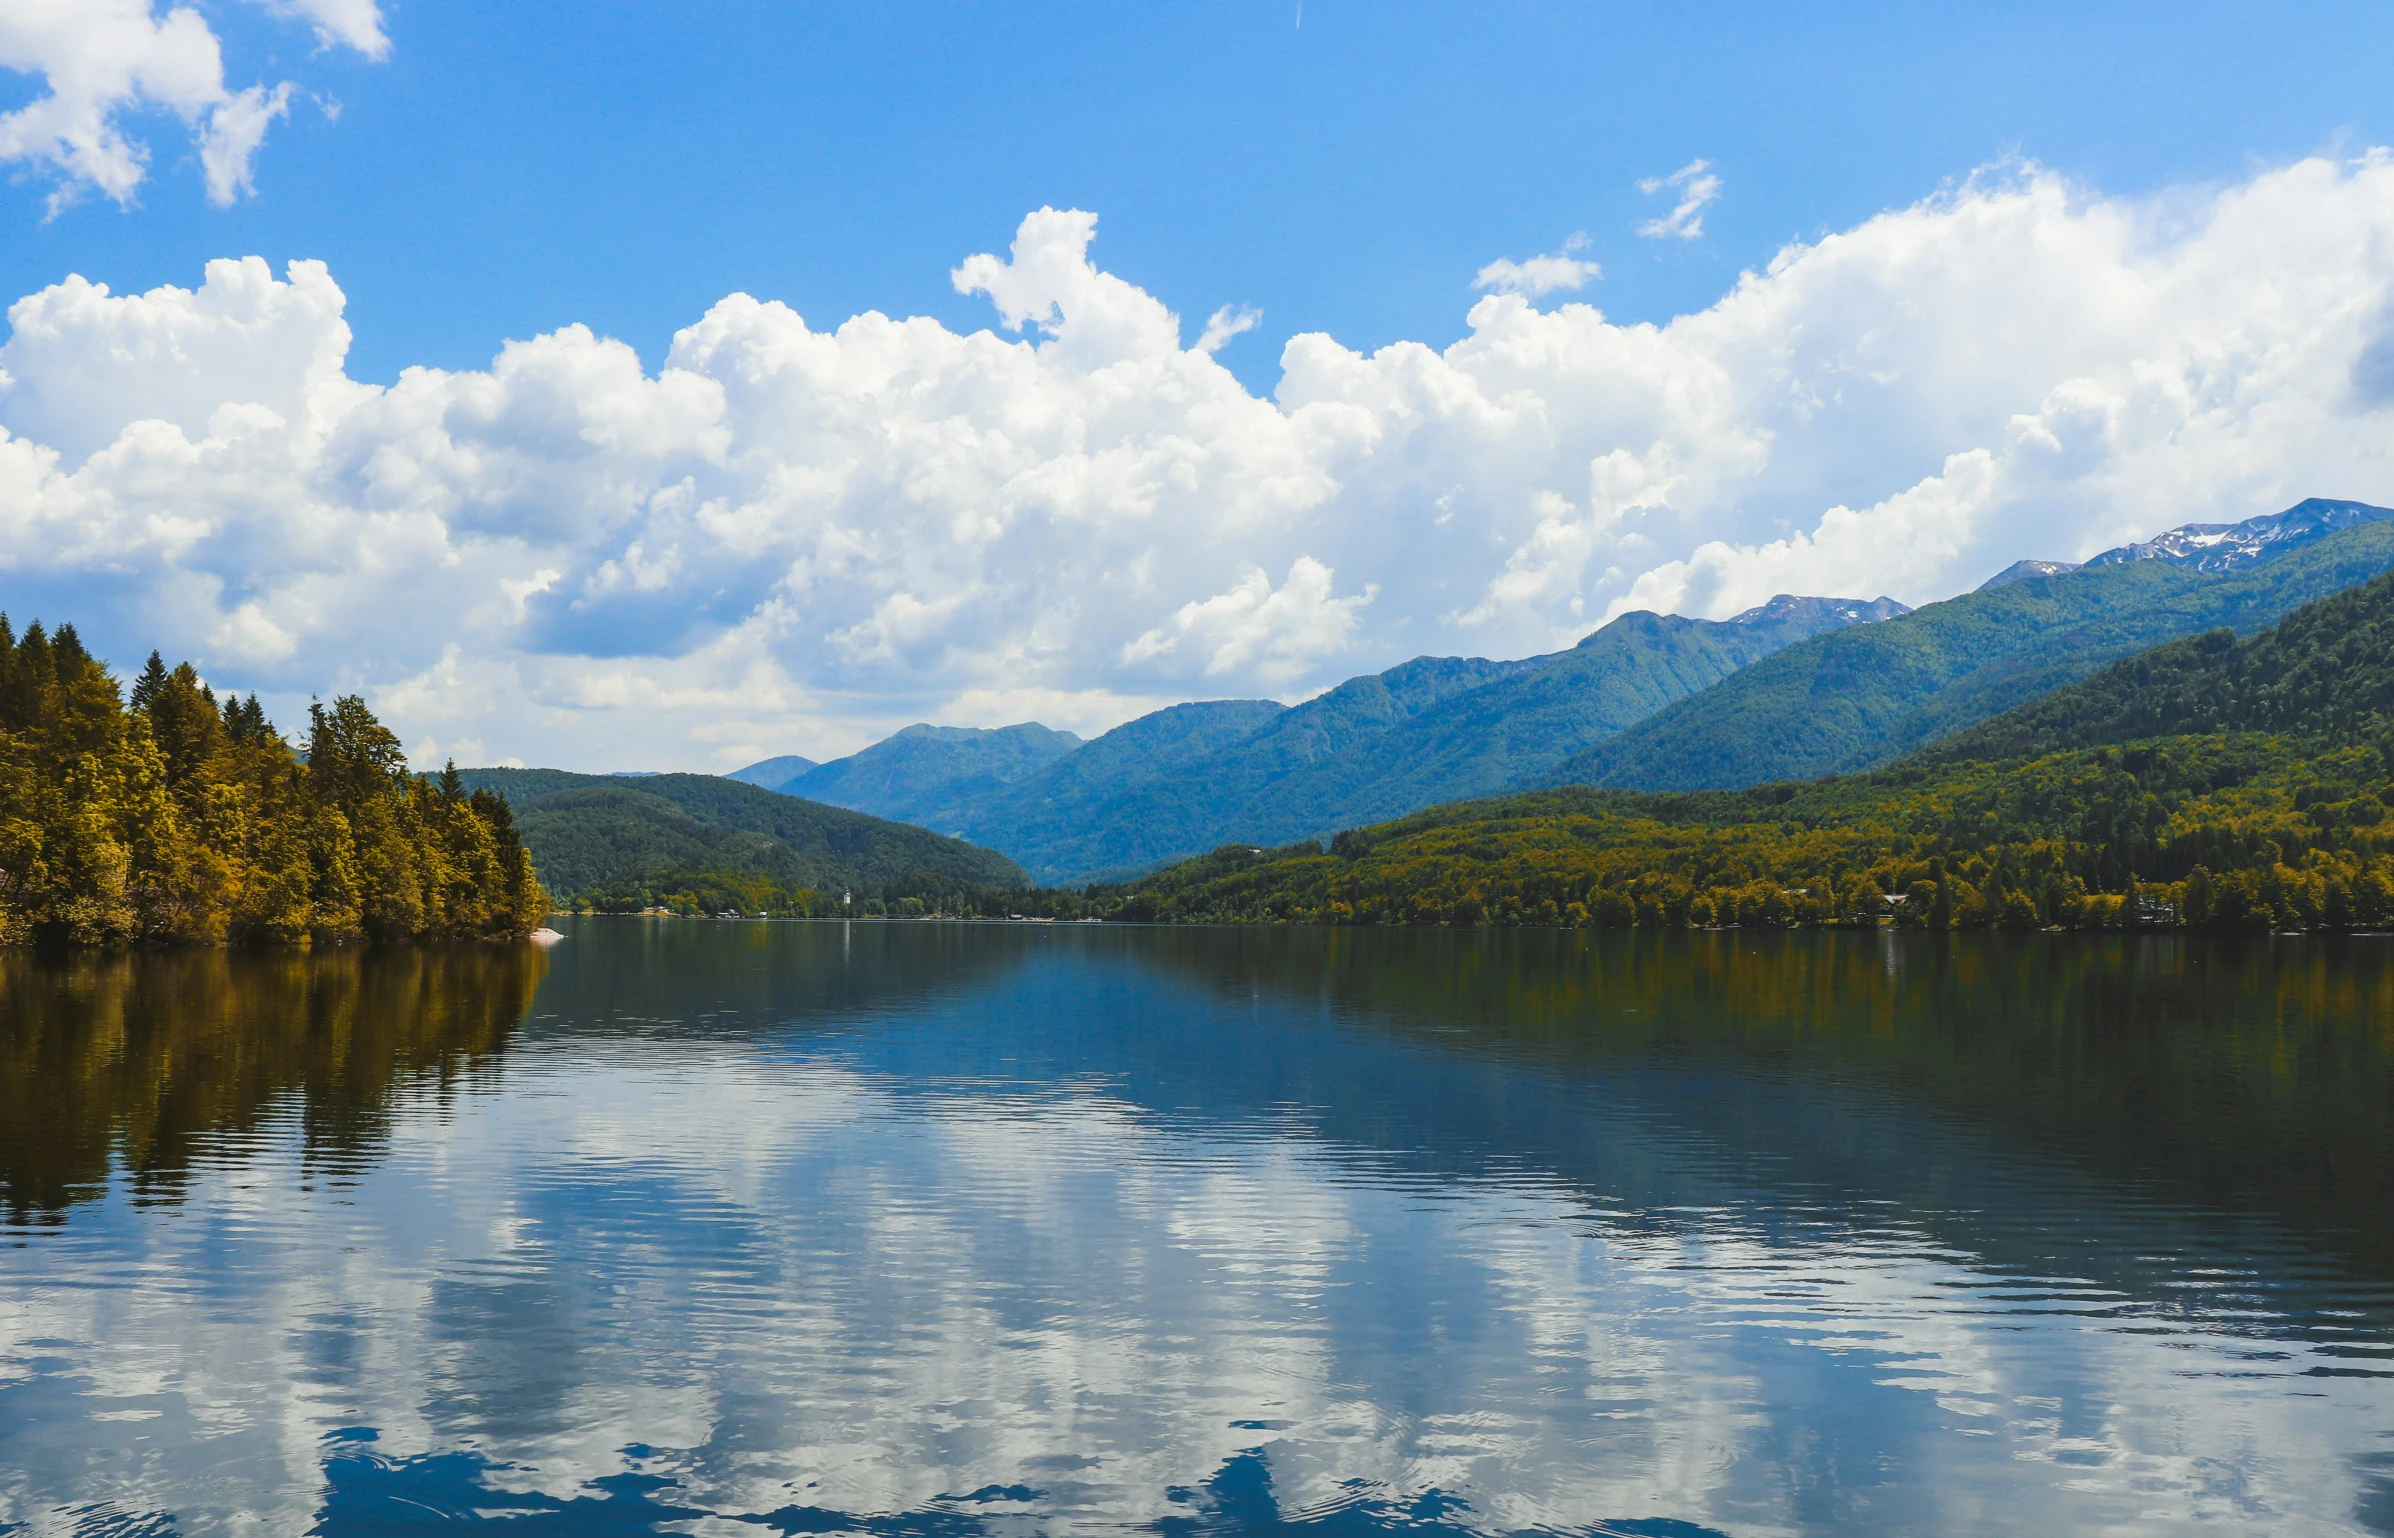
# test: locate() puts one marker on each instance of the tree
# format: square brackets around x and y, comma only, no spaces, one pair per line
[153,678]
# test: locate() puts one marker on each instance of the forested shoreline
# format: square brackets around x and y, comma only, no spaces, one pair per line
[2231,832]
[167,817]
[693,893]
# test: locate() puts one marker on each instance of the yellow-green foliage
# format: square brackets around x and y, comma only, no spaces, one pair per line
[2219,832]
[171,819]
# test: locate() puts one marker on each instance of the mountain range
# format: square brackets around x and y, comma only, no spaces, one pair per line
[1184,779]
[1796,688]
[1840,703]
[2215,546]
[1792,690]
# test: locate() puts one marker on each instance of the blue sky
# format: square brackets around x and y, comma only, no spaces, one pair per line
[509,169]
[1221,384]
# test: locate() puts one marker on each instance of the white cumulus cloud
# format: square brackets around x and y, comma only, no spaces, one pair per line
[1551,273]
[1277,635]
[339,23]
[103,62]
[793,539]
[1229,321]
[1697,188]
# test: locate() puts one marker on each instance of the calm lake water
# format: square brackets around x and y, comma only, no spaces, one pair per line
[945,1230]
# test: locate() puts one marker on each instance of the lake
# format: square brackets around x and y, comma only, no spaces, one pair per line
[945,1230]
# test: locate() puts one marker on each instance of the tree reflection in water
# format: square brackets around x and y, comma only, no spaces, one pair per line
[147,1064]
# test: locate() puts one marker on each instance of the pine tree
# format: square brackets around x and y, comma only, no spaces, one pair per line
[153,679]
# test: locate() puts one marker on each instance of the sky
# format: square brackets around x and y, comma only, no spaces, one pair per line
[660,387]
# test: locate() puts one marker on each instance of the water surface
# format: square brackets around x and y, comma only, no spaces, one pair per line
[948,1230]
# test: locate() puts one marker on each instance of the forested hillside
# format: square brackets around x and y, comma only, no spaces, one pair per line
[1853,698]
[2326,670]
[701,842]
[2209,782]
[172,817]
[1490,739]
[2232,830]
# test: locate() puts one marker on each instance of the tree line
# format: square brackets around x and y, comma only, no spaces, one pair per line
[691,892]
[2237,831]
[167,816]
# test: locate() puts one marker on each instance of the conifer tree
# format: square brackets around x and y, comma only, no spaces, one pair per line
[153,678]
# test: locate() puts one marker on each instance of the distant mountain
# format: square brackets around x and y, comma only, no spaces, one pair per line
[1184,780]
[930,774]
[772,773]
[1858,697]
[1112,801]
[588,831]
[2326,671]
[2217,546]
[2021,571]
[2227,546]
[1527,718]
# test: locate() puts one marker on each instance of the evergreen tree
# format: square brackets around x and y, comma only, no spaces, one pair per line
[153,678]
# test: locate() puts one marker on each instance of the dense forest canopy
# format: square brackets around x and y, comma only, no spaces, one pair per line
[2230,831]
[167,816]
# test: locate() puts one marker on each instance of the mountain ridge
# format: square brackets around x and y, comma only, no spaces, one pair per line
[923,773]
[773,773]
[2215,546]
[1184,779]
[1849,699]
[2226,546]
[2325,670]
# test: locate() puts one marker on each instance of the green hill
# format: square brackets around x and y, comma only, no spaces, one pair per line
[1853,698]
[2325,671]
[593,835]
